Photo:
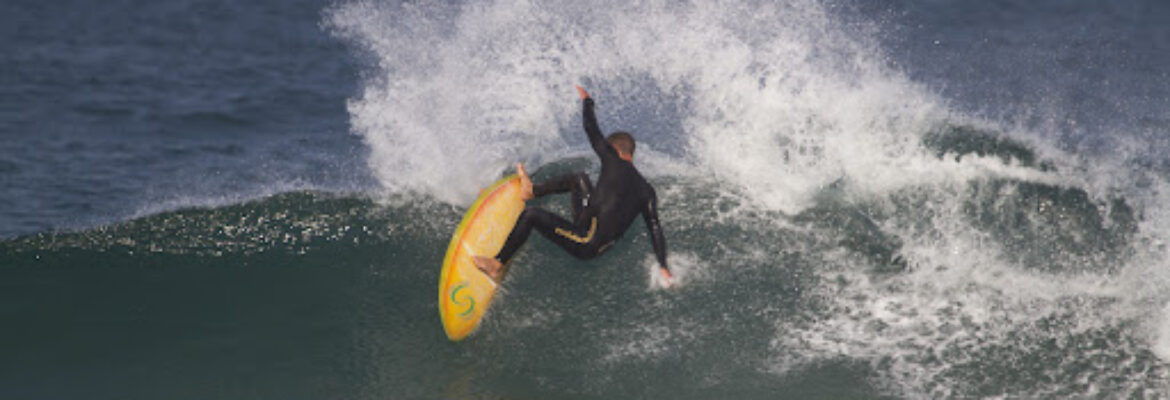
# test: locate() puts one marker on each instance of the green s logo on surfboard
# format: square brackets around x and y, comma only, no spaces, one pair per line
[466,301]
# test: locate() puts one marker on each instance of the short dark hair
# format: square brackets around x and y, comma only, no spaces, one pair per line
[623,141]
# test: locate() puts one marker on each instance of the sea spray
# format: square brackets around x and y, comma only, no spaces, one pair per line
[832,207]
[775,99]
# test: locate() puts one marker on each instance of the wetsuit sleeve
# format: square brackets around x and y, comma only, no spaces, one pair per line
[596,139]
[650,215]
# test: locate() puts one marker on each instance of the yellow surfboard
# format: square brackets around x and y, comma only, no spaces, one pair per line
[464,291]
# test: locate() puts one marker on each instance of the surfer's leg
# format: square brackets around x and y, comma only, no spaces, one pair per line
[569,182]
[576,240]
[577,184]
[531,218]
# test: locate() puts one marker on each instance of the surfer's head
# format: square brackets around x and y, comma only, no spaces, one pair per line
[623,142]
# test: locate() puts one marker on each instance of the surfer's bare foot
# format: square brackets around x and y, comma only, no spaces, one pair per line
[667,277]
[489,265]
[525,183]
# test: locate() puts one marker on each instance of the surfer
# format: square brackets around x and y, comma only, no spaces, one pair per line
[601,214]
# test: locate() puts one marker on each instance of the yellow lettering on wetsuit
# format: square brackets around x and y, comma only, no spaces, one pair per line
[588,236]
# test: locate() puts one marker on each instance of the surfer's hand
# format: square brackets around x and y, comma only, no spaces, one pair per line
[582,92]
[525,183]
[667,278]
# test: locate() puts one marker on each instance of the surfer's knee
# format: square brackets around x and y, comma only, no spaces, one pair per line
[587,251]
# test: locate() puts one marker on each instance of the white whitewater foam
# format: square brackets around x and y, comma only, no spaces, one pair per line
[775,100]
[1162,344]
[961,300]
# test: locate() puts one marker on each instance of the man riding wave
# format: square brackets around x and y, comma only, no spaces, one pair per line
[601,213]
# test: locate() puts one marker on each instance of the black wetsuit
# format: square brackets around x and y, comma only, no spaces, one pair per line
[600,214]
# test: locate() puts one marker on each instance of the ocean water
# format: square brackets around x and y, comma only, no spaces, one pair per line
[874,200]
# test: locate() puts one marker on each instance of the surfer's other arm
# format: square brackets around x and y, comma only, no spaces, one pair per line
[650,215]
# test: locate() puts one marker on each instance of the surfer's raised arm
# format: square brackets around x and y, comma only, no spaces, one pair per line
[592,129]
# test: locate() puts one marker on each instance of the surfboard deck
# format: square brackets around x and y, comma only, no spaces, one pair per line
[465,292]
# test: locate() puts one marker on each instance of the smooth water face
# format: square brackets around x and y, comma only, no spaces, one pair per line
[127,108]
[861,200]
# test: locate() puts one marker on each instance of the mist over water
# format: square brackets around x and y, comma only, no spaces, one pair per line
[878,200]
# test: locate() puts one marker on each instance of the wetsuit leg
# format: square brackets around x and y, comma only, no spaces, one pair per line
[568,235]
[558,230]
[577,184]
